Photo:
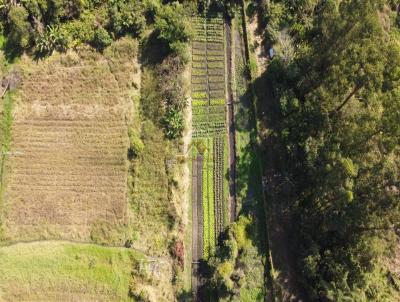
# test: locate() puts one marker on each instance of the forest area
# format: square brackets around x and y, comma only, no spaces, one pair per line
[329,106]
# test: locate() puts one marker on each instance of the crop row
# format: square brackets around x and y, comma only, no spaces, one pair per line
[217,101]
[216,72]
[199,51]
[199,88]
[215,32]
[211,58]
[219,183]
[209,240]
[198,45]
[209,117]
[199,72]
[199,102]
[198,58]
[199,80]
[205,110]
[215,46]
[199,95]
[216,86]
[205,203]
[214,27]
[215,39]
[216,64]
[197,64]
[217,94]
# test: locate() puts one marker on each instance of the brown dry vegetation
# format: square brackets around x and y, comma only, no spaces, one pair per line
[66,173]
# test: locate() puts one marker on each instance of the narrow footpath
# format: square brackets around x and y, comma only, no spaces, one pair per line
[197,230]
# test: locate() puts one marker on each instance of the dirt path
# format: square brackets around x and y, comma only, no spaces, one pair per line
[197,229]
[231,125]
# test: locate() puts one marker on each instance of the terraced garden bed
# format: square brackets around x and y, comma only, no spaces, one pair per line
[209,126]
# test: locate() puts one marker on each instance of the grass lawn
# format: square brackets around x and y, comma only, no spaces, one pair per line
[65,271]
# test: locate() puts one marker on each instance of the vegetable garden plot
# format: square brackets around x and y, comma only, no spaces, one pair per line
[209,122]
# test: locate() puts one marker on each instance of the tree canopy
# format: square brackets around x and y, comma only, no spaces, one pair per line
[338,105]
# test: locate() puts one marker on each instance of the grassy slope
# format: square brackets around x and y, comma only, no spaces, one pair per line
[152,209]
[40,270]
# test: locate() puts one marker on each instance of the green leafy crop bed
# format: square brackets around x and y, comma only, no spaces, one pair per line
[209,115]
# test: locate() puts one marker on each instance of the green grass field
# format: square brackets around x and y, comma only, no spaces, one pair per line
[64,271]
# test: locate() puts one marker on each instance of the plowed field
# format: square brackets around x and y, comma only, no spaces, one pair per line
[66,172]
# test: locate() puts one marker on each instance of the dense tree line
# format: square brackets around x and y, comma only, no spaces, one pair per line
[338,95]
[48,25]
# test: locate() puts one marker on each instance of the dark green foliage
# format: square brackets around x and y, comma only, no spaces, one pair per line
[101,38]
[52,39]
[56,24]
[173,123]
[226,6]
[337,101]
[236,268]
[127,16]
[19,31]
[174,28]
[172,99]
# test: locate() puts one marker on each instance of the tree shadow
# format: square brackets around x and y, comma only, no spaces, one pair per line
[153,50]
[280,189]
[185,296]
[11,52]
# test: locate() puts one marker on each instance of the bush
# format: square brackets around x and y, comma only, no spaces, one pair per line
[127,17]
[136,144]
[80,31]
[173,123]
[52,39]
[101,38]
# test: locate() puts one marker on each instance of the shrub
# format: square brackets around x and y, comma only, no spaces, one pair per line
[101,38]
[80,31]
[240,231]
[173,123]
[126,16]
[136,144]
[52,39]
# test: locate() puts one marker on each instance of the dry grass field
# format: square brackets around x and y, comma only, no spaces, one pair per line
[66,171]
